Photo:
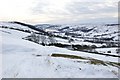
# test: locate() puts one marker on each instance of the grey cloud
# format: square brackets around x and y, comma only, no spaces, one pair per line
[77,20]
[77,8]
[44,7]
[73,11]
[39,8]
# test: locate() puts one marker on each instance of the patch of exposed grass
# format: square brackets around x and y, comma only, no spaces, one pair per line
[67,56]
[114,64]
[97,62]
[91,60]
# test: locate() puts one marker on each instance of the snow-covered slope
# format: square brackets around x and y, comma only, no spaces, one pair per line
[25,59]
[15,25]
[8,24]
[86,30]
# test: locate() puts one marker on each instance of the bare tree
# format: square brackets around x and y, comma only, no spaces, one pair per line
[43,39]
[51,39]
[35,37]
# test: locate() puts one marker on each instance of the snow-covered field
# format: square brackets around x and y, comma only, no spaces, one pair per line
[25,59]
[0,66]
[108,50]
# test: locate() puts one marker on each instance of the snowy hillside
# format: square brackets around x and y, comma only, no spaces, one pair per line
[83,30]
[25,56]
[10,24]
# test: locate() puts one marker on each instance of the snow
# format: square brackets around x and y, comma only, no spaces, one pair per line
[105,50]
[24,59]
[86,43]
[8,24]
[0,56]
[98,29]
[77,42]
[14,33]
[14,25]
[20,60]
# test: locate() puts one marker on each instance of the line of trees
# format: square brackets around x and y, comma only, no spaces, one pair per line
[41,39]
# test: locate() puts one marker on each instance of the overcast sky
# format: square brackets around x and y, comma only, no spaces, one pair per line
[59,11]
